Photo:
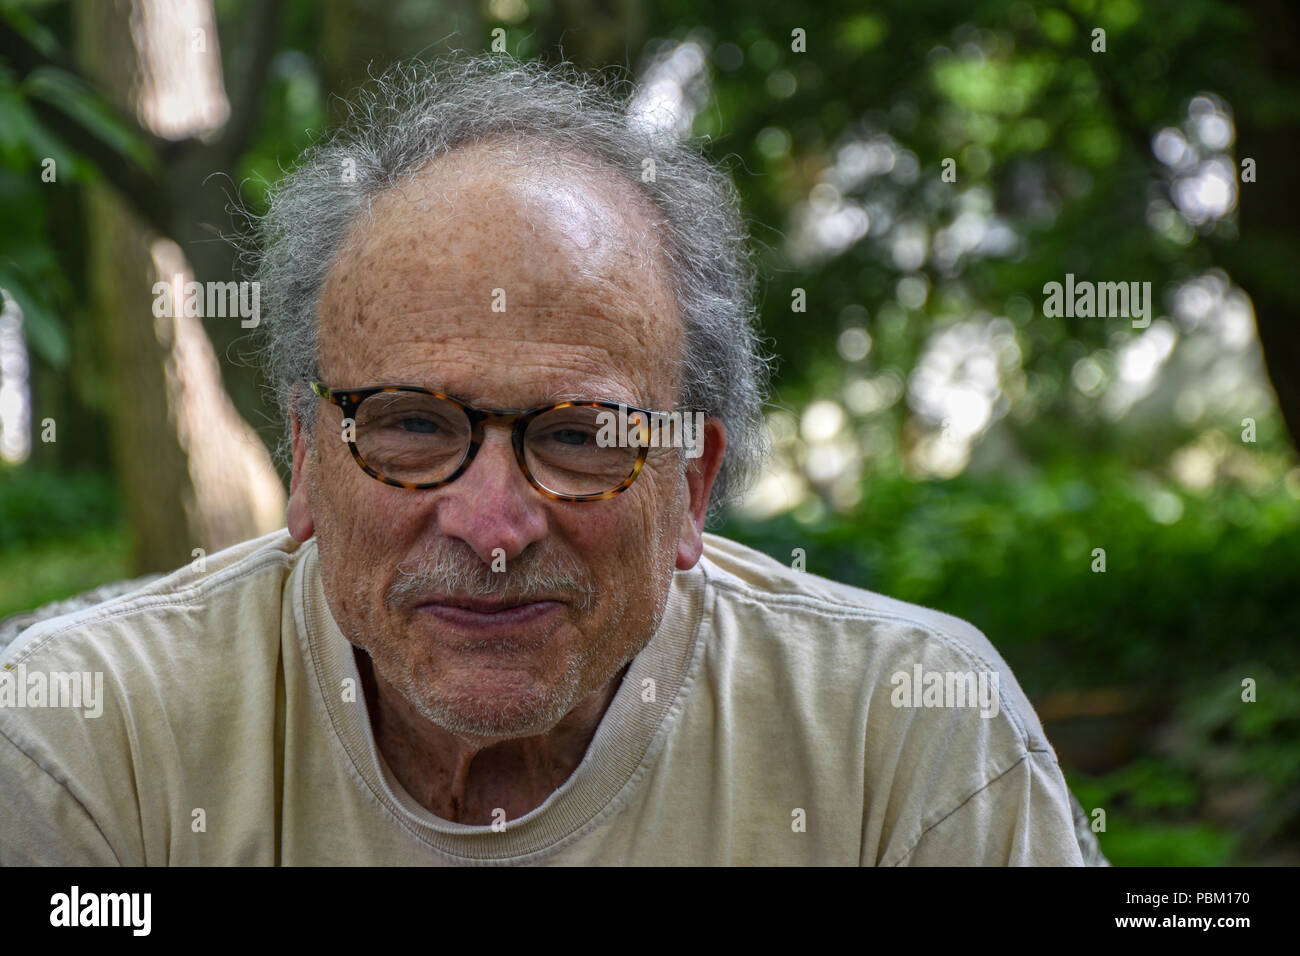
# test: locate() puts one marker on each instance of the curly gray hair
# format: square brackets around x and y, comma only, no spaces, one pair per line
[416,112]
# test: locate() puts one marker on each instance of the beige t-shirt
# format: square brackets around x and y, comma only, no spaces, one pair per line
[775,718]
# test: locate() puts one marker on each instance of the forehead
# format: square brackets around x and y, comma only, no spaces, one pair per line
[505,273]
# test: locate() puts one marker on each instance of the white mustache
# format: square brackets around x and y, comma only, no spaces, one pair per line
[452,569]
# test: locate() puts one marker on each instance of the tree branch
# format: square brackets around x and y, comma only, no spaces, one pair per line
[137,184]
[259,35]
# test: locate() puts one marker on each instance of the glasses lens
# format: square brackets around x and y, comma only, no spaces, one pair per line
[412,437]
[581,450]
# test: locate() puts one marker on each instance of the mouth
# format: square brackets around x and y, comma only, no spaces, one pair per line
[489,617]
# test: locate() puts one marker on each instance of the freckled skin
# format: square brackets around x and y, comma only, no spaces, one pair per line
[588,314]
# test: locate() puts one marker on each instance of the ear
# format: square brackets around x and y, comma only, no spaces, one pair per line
[299,519]
[700,475]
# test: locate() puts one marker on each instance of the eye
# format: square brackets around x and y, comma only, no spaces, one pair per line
[423,426]
[569,436]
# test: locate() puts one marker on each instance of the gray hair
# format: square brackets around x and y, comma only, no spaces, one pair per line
[416,112]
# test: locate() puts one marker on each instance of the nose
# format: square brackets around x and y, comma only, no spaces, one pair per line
[492,505]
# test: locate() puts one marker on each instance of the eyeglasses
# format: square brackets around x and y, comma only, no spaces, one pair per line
[416,438]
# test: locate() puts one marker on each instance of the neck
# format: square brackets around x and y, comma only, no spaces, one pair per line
[471,781]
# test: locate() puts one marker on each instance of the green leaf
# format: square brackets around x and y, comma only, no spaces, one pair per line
[70,95]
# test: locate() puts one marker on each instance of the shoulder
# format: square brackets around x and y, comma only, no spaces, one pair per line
[741,569]
[175,638]
[840,636]
[107,713]
[917,711]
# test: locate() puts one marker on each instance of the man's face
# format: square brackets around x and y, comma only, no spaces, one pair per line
[587,314]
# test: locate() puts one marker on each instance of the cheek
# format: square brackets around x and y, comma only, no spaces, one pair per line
[358,525]
[359,507]
[628,542]
[664,500]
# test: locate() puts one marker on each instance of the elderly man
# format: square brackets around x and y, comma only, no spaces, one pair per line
[495,630]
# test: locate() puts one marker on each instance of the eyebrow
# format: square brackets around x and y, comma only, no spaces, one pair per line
[604,392]
[587,394]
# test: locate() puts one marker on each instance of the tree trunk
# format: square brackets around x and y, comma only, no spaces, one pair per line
[193,474]
[1263,260]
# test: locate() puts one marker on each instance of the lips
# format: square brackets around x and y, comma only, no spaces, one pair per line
[480,605]
[488,603]
[486,617]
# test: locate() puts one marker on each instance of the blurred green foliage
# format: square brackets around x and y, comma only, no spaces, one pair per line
[1222,785]
[1015,557]
[60,534]
[42,505]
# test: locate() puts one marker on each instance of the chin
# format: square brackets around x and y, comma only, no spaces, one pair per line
[490,706]
[479,718]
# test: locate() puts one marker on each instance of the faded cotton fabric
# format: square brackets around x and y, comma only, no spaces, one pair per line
[228,735]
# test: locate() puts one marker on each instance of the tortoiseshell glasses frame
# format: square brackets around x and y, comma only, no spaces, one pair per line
[350,399]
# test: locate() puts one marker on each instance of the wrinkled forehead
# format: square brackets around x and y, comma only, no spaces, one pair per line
[564,196]
[512,241]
